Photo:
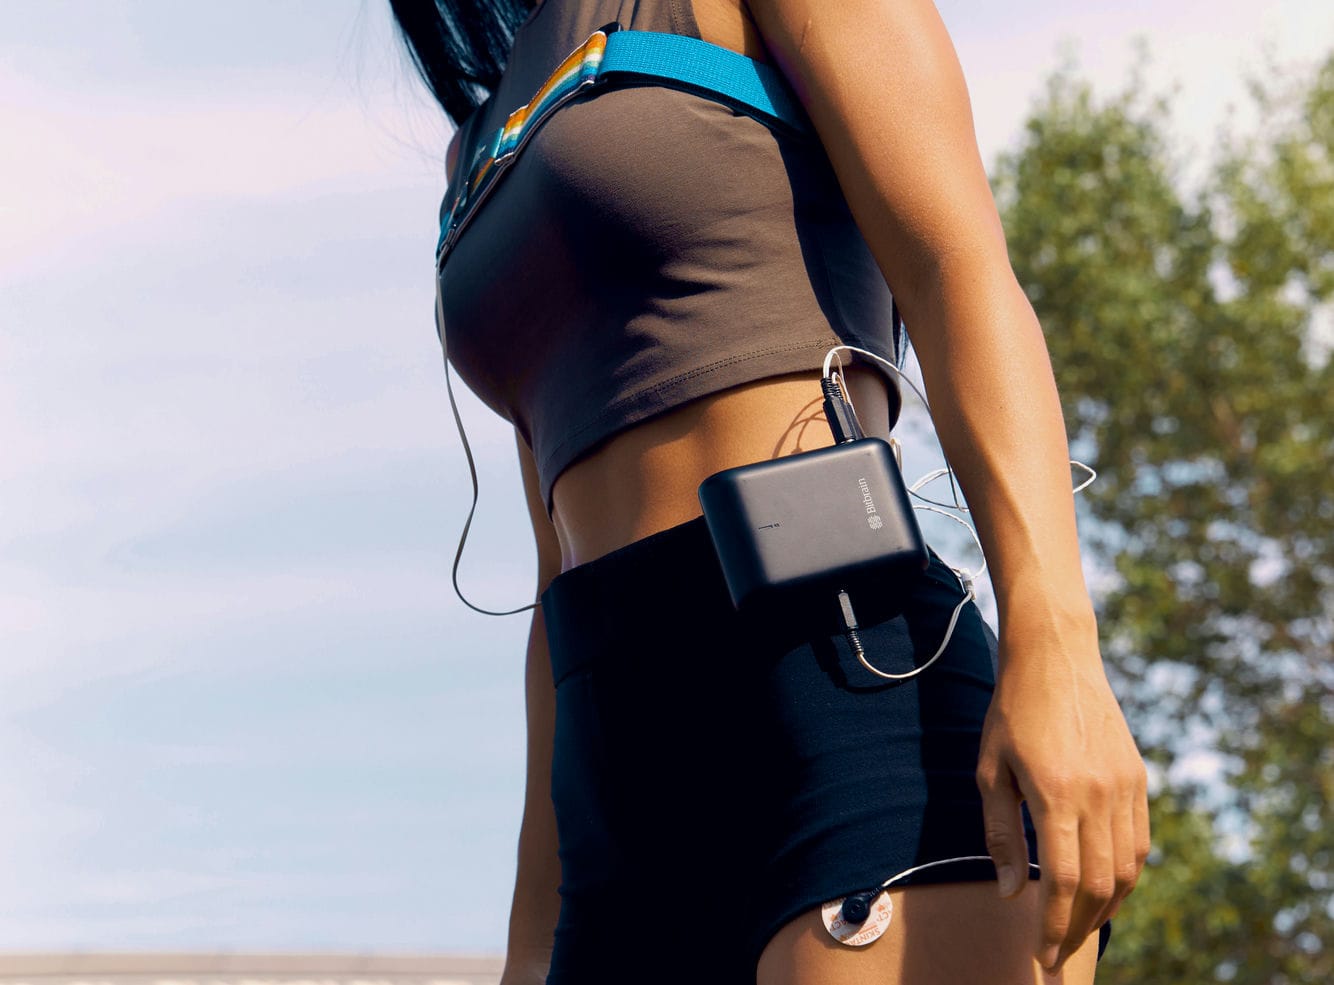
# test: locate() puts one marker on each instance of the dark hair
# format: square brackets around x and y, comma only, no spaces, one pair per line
[460,47]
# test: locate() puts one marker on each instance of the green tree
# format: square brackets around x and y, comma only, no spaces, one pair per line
[1190,337]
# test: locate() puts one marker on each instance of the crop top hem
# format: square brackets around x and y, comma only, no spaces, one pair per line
[681,388]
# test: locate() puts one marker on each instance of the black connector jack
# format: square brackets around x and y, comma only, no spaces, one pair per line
[845,427]
[842,420]
[850,627]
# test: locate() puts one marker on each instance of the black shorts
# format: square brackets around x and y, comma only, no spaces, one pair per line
[714,778]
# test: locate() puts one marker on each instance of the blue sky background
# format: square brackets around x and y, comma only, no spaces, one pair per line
[240,705]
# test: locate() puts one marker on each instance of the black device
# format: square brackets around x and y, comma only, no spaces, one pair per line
[794,534]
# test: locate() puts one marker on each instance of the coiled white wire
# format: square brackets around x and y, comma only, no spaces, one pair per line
[965,577]
[934,506]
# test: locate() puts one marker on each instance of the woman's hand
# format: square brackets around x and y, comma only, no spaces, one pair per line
[1055,737]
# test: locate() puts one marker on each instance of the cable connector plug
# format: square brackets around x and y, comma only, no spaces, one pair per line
[857,907]
[966,580]
[851,627]
[842,421]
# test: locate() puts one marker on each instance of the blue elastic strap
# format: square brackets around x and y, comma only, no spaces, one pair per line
[641,58]
[712,70]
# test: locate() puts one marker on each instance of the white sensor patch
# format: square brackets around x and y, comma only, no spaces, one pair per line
[858,934]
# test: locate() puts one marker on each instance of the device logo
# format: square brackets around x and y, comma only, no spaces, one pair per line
[873,519]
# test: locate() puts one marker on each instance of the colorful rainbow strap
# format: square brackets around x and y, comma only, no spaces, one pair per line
[612,57]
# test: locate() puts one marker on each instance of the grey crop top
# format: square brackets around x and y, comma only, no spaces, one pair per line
[648,247]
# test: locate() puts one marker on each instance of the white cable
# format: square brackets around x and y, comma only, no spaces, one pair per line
[941,861]
[1087,482]
[830,356]
[965,576]
[467,451]
[840,377]
[949,633]
[930,477]
[935,506]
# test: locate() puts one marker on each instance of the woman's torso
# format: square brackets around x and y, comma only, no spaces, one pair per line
[644,478]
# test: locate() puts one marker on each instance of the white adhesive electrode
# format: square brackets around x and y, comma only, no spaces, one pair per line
[881,906]
[858,934]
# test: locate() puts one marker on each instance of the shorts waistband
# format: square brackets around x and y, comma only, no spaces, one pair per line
[607,603]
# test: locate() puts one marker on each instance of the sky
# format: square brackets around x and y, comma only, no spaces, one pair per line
[240,704]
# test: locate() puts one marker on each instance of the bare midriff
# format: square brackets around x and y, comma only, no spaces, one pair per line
[646,478]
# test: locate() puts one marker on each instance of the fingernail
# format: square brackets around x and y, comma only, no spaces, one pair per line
[1008,882]
[1048,959]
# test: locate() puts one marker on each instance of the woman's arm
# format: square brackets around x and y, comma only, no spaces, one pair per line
[882,84]
[536,905]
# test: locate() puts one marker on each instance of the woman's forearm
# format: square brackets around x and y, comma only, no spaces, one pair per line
[1054,737]
[996,409]
[536,903]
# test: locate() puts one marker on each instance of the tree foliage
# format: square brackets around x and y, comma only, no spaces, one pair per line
[1191,336]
